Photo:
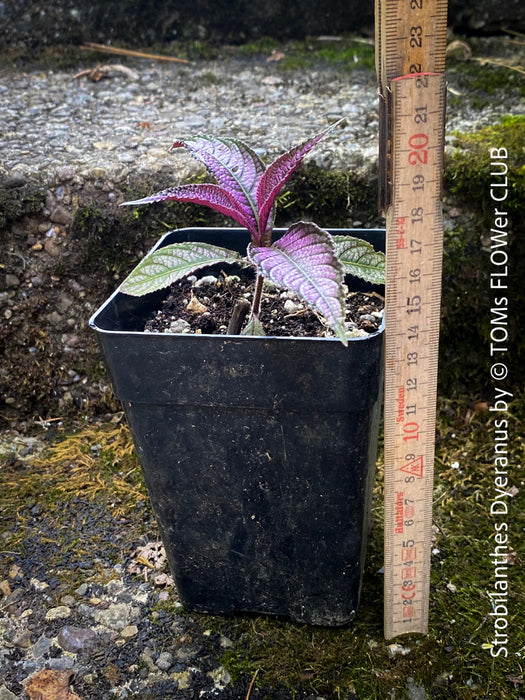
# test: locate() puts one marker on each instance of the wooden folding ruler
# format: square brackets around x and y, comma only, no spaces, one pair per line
[410,53]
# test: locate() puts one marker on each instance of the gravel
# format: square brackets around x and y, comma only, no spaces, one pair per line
[93,639]
[63,129]
[66,128]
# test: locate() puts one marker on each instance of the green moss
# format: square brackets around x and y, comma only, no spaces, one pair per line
[345,54]
[19,198]
[467,297]
[330,198]
[60,507]
[454,659]
[97,466]
[262,47]
[113,240]
[469,166]
[492,73]
[479,82]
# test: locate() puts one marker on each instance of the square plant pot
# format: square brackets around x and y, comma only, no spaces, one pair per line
[258,453]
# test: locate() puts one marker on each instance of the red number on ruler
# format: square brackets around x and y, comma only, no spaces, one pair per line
[419,154]
[400,232]
[411,430]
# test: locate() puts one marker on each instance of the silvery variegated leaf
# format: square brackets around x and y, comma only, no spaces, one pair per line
[209,195]
[237,169]
[304,261]
[360,259]
[173,262]
[279,172]
[235,166]
[245,191]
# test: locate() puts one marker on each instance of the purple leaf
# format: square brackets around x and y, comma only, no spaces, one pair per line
[304,261]
[245,191]
[212,196]
[278,173]
[235,166]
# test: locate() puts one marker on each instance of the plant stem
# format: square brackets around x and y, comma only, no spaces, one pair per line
[257,296]
[237,318]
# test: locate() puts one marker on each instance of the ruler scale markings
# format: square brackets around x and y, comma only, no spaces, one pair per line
[413,286]
[411,37]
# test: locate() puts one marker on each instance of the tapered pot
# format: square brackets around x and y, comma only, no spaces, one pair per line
[258,454]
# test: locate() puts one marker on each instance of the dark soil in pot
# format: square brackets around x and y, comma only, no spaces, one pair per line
[205,305]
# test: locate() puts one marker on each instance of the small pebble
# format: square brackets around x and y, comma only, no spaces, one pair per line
[356,333]
[195,307]
[74,639]
[11,280]
[58,613]
[41,647]
[129,631]
[207,279]
[147,660]
[290,307]
[165,661]
[183,680]
[179,326]
[397,650]
[82,589]
[23,640]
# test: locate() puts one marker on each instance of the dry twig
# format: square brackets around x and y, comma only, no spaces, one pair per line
[513,32]
[127,52]
[498,62]
[99,72]
[251,685]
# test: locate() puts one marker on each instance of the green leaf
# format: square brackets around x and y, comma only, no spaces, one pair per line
[173,262]
[253,327]
[360,259]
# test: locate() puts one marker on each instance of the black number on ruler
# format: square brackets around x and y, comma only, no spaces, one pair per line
[414,304]
[419,182]
[421,115]
[415,37]
[415,275]
[417,215]
[411,358]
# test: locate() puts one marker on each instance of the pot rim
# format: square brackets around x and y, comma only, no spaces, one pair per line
[94,325]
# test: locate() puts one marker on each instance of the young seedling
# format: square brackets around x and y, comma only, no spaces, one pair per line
[306,259]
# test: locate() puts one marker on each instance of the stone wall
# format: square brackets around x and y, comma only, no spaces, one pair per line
[31,25]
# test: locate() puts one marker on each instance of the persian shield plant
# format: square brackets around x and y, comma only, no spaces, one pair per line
[306,260]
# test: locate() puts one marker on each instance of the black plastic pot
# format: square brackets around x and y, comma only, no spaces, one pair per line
[258,454]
